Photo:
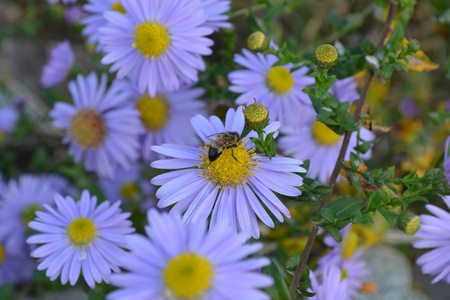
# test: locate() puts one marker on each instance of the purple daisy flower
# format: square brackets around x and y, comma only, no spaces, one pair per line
[93,18]
[102,127]
[19,201]
[330,286]
[15,263]
[158,44]
[345,90]
[61,1]
[215,259]
[128,185]
[276,87]
[347,259]
[73,14]
[232,186]
[8,119]
[216,11]
[80,237]
[58,66]
[166,118]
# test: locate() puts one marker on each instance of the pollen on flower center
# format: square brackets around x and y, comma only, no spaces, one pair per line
[279,80]
[129,190]
[151,39]
[88,129]
[154,111]
[188,275]
[323,134]
[2,254]
[233,167]
[81,231]
[29,213]
[118,7]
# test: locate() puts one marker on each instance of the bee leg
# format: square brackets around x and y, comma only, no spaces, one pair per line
[232,154]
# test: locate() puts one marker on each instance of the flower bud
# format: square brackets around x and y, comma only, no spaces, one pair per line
[414,45]
[373,62]
[326,56]
[408,222]
[257,41]
[256,116]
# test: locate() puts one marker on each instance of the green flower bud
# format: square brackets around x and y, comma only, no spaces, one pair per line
[326,56]
[256,116]
[408,222]
[257,41]
[414,45]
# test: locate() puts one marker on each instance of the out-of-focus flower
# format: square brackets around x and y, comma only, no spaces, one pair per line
[158,44]
[187,262]
[230,185]
[216,12]
[65,2]
[330,286]
[166,118]
[346,258]
[276,87]
[102,126]
[80,237]
[58,66]
[409,107]
[15,264]
[73,13]
[8,119]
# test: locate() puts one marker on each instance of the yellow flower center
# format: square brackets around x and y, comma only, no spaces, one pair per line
[129,190]
[233,167]
[326,54]
[279,80]
[81,231]
[324,135]
[188,276]
[2,254]
[29,213]
[349,245]
[118,7]
[256,113]
[151,39]
[413,225]
[154,111]
[88,129]
[2,136]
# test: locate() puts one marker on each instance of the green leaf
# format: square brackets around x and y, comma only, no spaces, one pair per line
[6,291]
[355,161]
[278,291]
[292,262]
[328,82]
[334,232]
[345,207]
[359,218]
[377,200]
[328,214]
[355,180]
[397,36]
[387,214]
[322,189]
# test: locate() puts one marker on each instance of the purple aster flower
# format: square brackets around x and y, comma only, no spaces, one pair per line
[102,127]
[345,90]
[409,107]
[215,259]
[166,118]
[128,185]
[80,237]
[158,44]
[61,1]
[58,66]
[330,286]
[346,258]
[72,14]
[276,87]
[93,18]
[19,201]
[8,119]
[15,264]
[216,11]
[232,186]
[435,233]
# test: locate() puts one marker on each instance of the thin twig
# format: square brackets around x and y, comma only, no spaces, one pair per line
[312,236]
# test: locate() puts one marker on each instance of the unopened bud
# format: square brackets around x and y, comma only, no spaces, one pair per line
[408,222]
[373,62]
[257,41]
[414,45]
[256,116]
[326,56]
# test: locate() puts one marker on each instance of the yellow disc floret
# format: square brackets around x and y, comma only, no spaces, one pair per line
[233,167]
[151,39]
[323,134]
[2,254]
[118,7]
[154,111]
[413,225]
[88,129]
[81,231]
[188,276]
[129,190]
[326,55]
[279,80]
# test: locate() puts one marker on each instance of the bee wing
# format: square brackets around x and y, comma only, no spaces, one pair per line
[214,134]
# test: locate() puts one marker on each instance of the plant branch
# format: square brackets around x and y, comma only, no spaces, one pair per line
[312,236]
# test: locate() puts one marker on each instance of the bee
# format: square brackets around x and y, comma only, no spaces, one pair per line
[224,140]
